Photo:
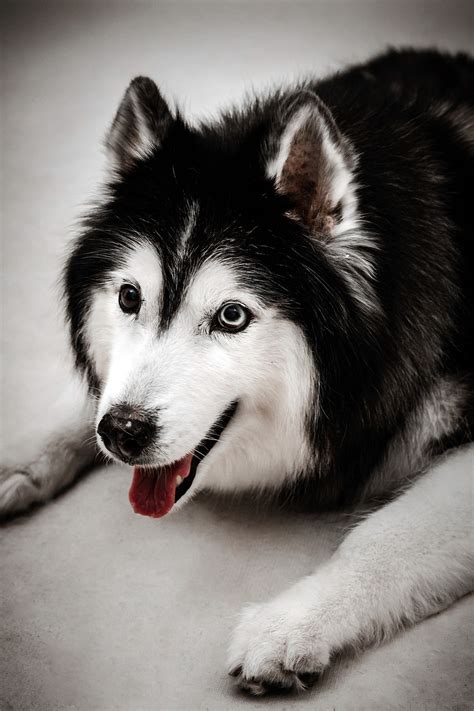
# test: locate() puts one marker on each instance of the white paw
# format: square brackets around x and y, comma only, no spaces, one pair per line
[18,490]
[276,646]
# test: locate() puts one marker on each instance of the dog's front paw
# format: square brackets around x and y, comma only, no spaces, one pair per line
[18,490]
[276,647]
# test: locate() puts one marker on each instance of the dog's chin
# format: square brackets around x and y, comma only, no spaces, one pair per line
[156,490]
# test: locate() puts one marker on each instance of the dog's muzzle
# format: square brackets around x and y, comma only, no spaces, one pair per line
[155,490]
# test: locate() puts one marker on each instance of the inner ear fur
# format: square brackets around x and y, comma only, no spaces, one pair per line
[312,165]
[140,125]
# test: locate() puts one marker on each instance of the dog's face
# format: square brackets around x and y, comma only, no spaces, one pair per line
[219,350]
[189,298]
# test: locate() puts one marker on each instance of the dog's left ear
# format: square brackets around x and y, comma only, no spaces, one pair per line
[140,125]
[312,164]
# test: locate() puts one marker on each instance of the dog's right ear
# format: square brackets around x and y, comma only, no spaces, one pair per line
[140,125]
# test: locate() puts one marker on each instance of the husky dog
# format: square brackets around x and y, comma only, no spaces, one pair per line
[282,301]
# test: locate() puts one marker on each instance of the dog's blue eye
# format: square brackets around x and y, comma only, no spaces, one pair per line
[233,318]
[129,299]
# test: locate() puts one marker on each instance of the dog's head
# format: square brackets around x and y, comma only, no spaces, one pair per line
[204,286]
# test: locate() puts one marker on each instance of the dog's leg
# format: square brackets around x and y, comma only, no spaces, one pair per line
[66,452]
[406,561]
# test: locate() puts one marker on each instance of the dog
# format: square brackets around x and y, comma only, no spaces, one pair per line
[281,301]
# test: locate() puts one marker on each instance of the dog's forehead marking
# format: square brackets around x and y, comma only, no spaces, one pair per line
[176,264]
[190,222]
[172,280]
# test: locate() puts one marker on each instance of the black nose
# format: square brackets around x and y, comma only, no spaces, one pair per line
[126,432]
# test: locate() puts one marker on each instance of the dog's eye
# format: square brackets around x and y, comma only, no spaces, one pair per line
[129,299]
[233,318]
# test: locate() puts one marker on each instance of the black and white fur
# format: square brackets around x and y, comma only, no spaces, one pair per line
[339,213]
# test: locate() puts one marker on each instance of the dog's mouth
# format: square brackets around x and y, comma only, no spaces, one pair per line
[155,490]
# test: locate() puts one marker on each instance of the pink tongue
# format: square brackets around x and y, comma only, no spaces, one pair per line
[152,492]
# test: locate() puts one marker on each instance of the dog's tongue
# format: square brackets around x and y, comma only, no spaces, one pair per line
[152,492]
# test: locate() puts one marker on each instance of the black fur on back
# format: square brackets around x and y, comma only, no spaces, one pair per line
[415,188]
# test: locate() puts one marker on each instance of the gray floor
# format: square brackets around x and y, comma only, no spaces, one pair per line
[102,609]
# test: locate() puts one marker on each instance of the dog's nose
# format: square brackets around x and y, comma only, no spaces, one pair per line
[126,432]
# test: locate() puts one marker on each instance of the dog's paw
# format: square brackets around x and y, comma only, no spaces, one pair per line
[276,647]
[18,490]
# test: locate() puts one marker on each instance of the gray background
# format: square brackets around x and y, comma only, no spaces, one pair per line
[103,609]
